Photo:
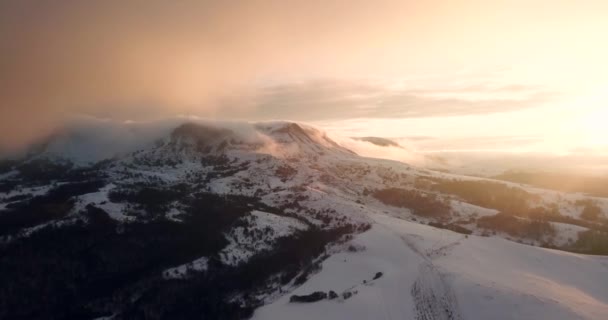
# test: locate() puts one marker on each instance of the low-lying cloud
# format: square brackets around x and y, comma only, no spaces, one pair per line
[401,153]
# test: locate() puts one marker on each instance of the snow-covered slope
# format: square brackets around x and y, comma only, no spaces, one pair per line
[430,273]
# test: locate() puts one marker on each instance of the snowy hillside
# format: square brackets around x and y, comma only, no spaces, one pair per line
[429,273]
[275,220]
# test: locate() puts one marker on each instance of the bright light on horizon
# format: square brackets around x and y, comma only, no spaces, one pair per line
[593,121]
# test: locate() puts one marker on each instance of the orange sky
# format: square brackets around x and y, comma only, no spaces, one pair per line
[142,59]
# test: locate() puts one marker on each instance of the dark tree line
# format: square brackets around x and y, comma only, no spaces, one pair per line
[55,204]
[488,194]
[421,204]
[517,227]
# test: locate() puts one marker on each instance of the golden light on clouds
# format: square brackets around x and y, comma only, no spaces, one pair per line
[143,59]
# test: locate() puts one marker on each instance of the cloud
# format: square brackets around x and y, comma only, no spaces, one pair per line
[341,99]
[382,142]
[482,143]
[401,153]
[86,140]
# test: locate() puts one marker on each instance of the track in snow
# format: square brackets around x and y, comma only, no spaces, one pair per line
[432,294]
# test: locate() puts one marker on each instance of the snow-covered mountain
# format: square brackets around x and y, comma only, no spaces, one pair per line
[275,220]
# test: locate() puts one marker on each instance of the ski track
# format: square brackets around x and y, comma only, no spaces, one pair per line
[433,296]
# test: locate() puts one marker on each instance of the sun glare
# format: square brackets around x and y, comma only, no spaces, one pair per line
[594,128]
[593,122]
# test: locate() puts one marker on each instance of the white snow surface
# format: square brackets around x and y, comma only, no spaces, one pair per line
[455,277]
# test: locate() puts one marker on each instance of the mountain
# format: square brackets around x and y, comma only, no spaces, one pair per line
[230,220]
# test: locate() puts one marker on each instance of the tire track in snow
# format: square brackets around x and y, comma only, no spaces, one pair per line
[432,294]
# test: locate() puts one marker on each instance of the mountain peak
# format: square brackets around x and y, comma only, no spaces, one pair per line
[203,137]
[200,132]
[305,136]
[84,145]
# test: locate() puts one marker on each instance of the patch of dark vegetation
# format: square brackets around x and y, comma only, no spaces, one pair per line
[517,227]
[7,165]
[285,172]
[517,202]
[591,242]
[143,160]
[348,294]
[488,194]
[44,172]
[9,185]
[331,295]
[313,297]
[206,295]
[591,211]
[597,186]
[553,215]
[355,248]
[58,271]
[451,226]
[153,199]
[223,167]
[55,204]
[421,204]
[41,171]
[100,266]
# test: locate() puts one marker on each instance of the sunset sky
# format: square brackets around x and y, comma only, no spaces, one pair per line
[515,76]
